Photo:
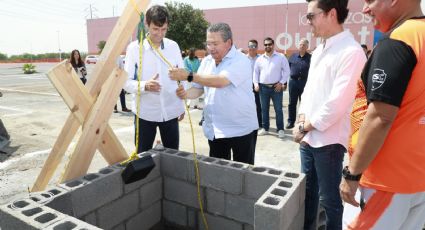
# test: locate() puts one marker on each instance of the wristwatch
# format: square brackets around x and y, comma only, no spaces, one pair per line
[301,127]
[190,77]
[348,176]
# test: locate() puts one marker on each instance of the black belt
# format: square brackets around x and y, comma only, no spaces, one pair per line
[297,78]
[269,85]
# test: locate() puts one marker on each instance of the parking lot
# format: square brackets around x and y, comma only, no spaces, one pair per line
[34,113]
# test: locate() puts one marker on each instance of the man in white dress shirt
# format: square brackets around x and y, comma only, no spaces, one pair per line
[159,105]
[226,78]
[323,124]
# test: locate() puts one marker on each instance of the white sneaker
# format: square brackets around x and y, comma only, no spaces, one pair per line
[281,134]
[263,132]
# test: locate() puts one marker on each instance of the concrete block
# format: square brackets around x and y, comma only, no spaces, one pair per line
[146,219]
[215,202]
[119,227]
[174,213]
[177,164]
[192,218]
[240,208]
[258,180]
[298,221]
[71,223]
[150,193]
[218,223]
[119,210]
[90,218]
[182,192]
[223,175]
[92,191]
[299,180]
[27,214]
[154,174]
[248,227]
[61,200]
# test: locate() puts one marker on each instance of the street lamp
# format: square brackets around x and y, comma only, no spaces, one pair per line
[59,45]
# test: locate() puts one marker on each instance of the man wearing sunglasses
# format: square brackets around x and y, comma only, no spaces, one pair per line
[271,73]
[324,115]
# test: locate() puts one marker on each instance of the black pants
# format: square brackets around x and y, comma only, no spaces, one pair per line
[169,131]
[83,80]
[258,106]
[243,148]
[296,88]
[122,100]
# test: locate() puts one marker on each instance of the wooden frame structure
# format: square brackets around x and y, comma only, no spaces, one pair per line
[91,105]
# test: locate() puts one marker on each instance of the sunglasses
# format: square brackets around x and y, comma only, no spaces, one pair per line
[268,44]
[310,16]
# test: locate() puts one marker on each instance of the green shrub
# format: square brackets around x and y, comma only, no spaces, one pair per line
[28,68]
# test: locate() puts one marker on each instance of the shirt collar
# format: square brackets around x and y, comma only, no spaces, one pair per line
[336,38]
[273,54]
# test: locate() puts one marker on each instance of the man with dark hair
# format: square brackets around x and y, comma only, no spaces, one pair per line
[159,107]
[299,63]
[388,123]
[324,115]
[226,78]
[271,73]
[252,56]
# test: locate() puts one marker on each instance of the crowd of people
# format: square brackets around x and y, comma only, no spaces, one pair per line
[374,107]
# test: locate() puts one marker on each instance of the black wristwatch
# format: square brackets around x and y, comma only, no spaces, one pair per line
[348,176]
[301,127]
[190,77]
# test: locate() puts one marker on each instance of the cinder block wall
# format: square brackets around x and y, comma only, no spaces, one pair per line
[234,196]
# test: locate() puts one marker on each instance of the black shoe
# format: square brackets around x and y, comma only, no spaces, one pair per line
[289,126]
[126,110]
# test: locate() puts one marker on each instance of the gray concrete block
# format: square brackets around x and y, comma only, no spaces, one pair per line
[119,227]
[192,218]
[146,219]
[298,221]
[240,209]
[174,213]
[92,191]
[248,227]
[267,212]
[27,214]
[223,175]
[218,223]
[299,180]
[118,211]
[215,202]
[258,180]
[150,193]
[177,164]
[61,200]
[71,223]
[90,218]
[182,192]
[153,175]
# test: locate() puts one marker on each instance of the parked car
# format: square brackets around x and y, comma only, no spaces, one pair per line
[92,59]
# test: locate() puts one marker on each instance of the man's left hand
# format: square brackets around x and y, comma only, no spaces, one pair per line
[348,189]
[278,87]
[177,74]
[181,117]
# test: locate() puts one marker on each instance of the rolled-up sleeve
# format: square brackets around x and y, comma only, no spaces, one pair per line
[285,70]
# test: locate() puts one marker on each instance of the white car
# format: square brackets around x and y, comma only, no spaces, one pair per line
[92,59]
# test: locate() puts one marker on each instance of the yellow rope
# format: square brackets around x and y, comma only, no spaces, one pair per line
[134,154]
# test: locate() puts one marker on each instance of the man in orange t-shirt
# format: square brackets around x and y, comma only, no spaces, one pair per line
[389,123]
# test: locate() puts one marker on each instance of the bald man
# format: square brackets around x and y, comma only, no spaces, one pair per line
[388,123]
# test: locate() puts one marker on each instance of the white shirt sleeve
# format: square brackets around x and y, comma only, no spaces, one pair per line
[239,71]
[285,70]
[256,72]
[131,61]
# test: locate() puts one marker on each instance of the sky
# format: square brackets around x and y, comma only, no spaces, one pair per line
[43,26]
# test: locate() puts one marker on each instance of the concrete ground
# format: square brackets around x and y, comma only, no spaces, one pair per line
[34,113]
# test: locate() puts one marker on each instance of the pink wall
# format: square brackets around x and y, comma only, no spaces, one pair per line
[257,22]
[260,22]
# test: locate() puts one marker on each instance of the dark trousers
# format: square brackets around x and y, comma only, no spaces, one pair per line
[83,80]
[258,106]
[243,147]
[323,169]
[296,88]
[122,100]
[169,131]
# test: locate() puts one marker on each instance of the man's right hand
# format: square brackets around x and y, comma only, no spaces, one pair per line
[256,88]
[153,85]
[181,93]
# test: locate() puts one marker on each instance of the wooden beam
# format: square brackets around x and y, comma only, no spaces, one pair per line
[95,126]
[114,46]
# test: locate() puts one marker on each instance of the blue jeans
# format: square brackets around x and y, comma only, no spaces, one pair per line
[323,168]
[267,93]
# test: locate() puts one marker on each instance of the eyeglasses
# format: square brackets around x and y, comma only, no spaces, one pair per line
[310,16]
[268,44]
[252,46]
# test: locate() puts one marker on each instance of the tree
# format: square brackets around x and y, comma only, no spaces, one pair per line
[3,56]
[187,25]
[101,45]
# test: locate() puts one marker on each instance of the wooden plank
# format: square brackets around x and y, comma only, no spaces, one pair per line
[114,46]
[96,124]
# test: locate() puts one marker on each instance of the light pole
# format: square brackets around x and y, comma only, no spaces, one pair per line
[286,24]
[59,45]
